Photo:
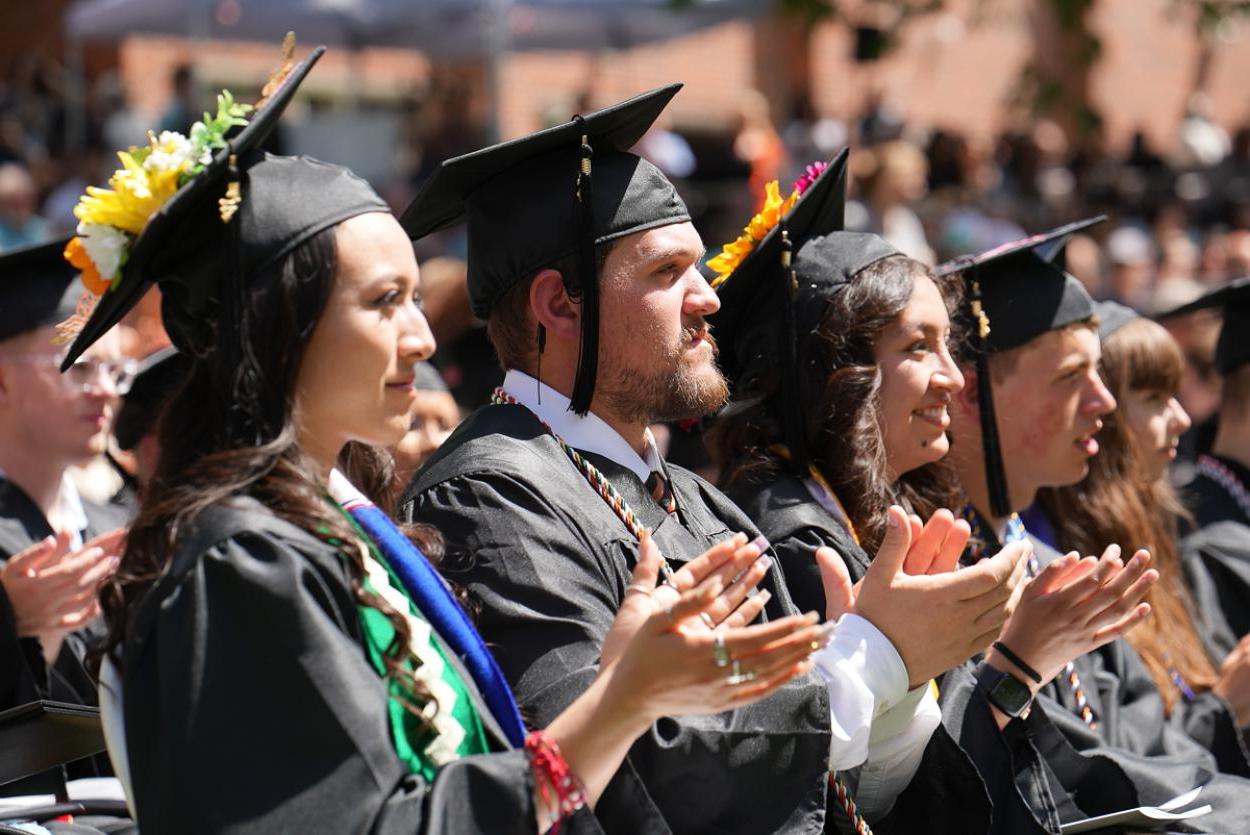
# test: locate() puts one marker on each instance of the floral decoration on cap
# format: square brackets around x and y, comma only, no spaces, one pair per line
[111,219]
[774,209]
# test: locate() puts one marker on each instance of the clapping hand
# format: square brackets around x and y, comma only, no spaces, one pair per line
[675,665]
[1075,606]
[936,617]
[735,565]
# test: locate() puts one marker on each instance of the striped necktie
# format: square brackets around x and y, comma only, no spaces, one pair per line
[661,490]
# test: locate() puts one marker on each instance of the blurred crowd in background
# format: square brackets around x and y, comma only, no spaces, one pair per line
[1179,221]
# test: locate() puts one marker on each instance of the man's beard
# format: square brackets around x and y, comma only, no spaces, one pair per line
[671,389]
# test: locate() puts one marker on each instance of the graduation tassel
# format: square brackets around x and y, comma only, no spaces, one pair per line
[588,281]
[538,372]
[243,426]
[791,402]
[995,476]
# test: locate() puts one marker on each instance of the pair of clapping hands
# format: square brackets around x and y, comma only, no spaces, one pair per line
[52,589]
[675,642]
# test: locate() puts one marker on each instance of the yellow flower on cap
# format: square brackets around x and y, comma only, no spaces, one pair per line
[733,253]
[133,196]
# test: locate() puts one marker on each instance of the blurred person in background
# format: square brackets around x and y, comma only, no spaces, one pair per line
[20,223]
[181,110]
[1217,547]
[891,177]
[55,546]
[1131,255]
[757,143]
[465,361]
[435,414]
[156,381]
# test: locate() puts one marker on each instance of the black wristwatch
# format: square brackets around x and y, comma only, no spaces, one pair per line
[1004,691]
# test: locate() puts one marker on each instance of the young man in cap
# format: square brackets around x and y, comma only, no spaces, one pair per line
[583,261]
[1027,417]
[51,544]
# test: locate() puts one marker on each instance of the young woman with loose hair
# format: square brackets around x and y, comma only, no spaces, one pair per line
[280,656]
[1128,498]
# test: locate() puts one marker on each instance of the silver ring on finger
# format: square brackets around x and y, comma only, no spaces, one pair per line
[637,588]
[720,653]
[707,620]
[738,676]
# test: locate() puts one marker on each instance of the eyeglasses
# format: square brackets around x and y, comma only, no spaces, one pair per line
[85,374]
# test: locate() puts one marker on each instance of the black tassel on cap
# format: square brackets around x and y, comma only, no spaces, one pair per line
[995,476]
[588,283]
[244,424]
[792,417]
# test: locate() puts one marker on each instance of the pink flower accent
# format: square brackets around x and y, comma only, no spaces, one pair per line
[809,176]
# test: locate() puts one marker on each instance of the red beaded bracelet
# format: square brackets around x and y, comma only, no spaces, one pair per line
[552,772]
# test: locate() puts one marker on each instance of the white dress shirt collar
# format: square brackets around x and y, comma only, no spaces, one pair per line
[589,434]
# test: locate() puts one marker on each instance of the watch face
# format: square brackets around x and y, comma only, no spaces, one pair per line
[1009,695]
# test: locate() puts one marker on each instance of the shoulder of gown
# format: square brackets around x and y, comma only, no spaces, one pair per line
[250,705]
[796,525]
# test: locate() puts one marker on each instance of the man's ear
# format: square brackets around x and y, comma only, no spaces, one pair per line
[967,400]
[552,308]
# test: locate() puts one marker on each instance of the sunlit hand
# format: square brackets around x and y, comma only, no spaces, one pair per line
[940,618]
[54,591]
[669,659]
[1073,607]
[734,566]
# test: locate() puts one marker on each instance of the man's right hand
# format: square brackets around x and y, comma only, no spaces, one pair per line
[53,591]
[936,620]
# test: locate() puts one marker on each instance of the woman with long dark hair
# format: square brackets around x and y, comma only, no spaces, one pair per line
[1128,498]
[840,351]
[280,656]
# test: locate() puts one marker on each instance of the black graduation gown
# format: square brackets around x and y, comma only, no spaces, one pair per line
[24,675]
[1207,719]
[251,707]
[1215,555]
[548,561]
[978,799]
[1135,756]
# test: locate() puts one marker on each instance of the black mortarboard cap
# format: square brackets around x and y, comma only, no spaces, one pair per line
[1232,351]
[202,263]
[533,201]
[37,288]
[1015,293]
[1112,316]
[777,296]
[158,377]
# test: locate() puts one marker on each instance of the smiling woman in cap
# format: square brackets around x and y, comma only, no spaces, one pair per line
[274,639]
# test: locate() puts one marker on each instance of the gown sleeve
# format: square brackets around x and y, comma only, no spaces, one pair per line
[250,707]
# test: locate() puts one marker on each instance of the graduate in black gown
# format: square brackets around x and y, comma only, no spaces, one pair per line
[281,656]
[1128,498]
[1026,419]
[817,457]
[592,297]
[1217,549]
[50,562]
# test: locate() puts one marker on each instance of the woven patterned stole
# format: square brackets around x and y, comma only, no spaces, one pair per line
[434,600]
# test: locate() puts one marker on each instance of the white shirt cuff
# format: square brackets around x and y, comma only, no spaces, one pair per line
[865,677]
